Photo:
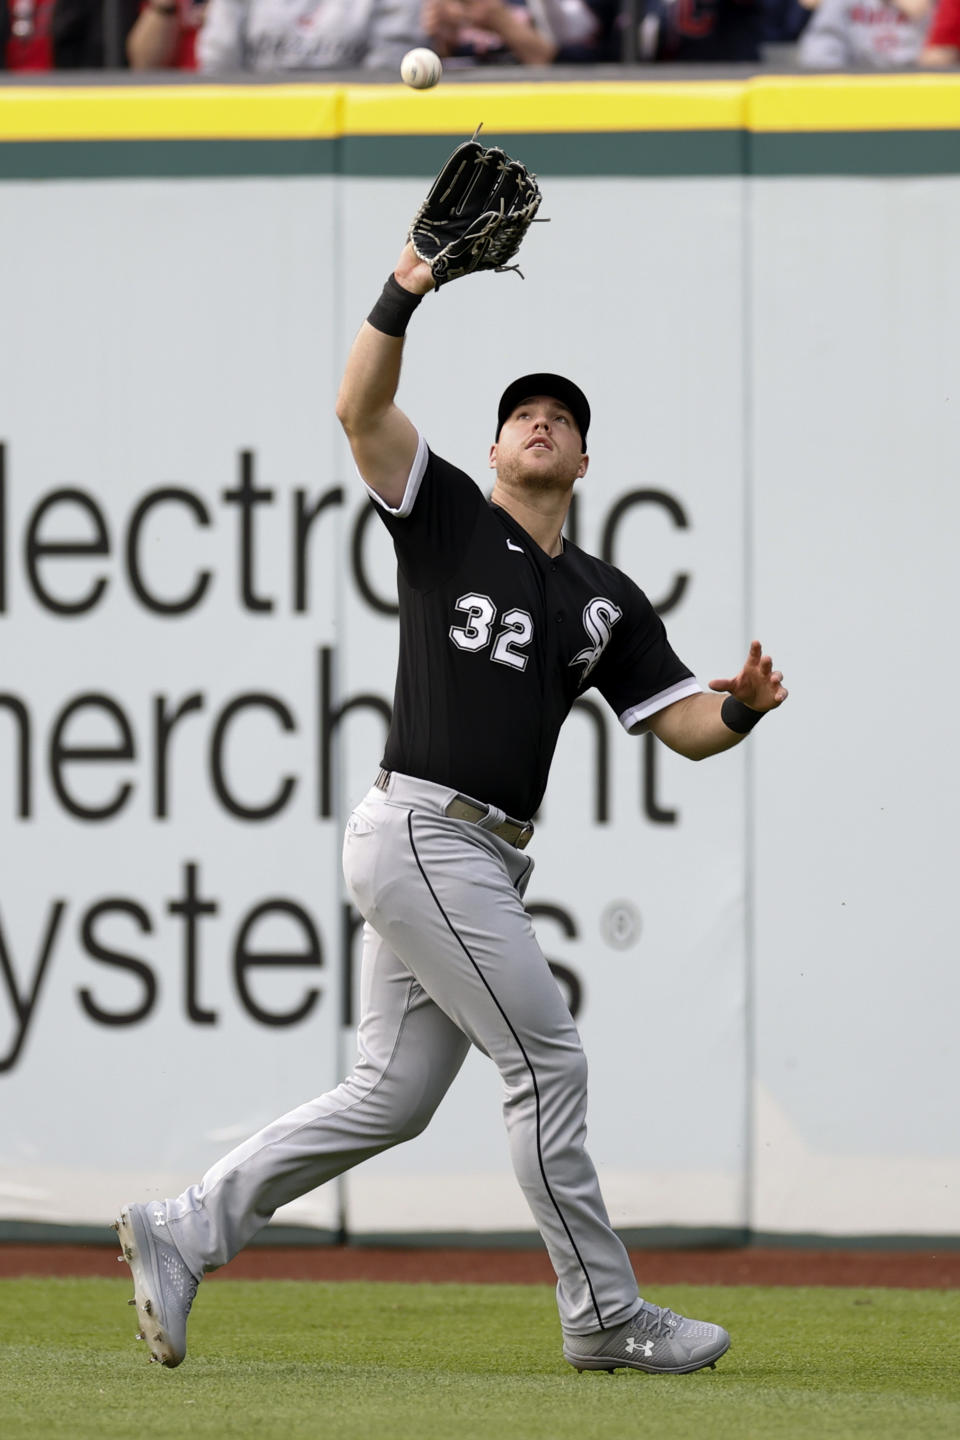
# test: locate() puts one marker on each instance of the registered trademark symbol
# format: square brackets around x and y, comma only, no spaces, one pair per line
[620,924]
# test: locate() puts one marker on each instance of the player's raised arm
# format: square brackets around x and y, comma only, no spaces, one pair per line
[382,439]
[701,725]
[474,217]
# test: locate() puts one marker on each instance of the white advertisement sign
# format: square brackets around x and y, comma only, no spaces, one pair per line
[197,648]
[169,527]
[198,638]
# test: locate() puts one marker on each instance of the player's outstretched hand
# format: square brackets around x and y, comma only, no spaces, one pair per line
[412,273]
[758,684]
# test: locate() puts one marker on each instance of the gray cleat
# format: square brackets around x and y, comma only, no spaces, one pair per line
[654,1340]
[163,1285]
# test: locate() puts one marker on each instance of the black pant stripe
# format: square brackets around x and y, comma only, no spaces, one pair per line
[526,1060]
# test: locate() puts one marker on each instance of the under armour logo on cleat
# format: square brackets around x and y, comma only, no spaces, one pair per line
[159,1218]
[511,546]
[646,1347]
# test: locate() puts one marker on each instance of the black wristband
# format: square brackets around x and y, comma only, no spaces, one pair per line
[391,314]
[738,717]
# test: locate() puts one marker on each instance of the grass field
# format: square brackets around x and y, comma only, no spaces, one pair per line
[355,1361]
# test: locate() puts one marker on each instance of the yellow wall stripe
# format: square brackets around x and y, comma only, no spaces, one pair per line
[574,108]
[195,112]
[865,102]
[793,104]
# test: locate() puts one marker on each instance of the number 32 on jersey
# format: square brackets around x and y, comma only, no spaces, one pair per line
[512,638]
[516,631]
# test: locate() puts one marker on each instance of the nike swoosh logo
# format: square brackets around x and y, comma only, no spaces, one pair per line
[511,546]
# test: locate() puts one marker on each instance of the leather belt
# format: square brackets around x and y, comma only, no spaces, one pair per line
[516,833]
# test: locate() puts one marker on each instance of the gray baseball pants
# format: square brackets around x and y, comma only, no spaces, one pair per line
[450,959]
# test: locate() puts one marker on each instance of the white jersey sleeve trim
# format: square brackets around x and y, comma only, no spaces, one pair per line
[417,470]
[634,718]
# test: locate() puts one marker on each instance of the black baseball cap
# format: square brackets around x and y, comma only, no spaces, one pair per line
[554,385]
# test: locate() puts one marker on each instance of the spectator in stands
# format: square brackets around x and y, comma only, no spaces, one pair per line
[79,40]
[288,35]
[785,20]
[943,41]
[723,31]
[852,34]
[25,34]
[525,32]
[165,35]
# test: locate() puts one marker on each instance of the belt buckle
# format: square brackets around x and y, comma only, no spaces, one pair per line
[516,834]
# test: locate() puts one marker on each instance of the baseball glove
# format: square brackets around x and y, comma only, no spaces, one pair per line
[477,212]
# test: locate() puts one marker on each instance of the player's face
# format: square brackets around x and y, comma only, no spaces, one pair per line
[539,445]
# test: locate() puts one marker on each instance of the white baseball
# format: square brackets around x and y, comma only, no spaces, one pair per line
[420,68]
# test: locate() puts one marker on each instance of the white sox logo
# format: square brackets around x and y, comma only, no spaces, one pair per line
[599,618]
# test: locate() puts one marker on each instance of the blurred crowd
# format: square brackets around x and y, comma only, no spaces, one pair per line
[228,37]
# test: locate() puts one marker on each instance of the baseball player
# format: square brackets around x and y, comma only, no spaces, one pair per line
[503,624]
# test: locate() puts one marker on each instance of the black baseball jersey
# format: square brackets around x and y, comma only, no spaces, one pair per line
[497,640]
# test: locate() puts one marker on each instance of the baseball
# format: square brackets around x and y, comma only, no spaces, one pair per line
[420,69]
